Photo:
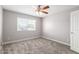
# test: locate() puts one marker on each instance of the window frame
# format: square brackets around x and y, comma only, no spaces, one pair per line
[27,20]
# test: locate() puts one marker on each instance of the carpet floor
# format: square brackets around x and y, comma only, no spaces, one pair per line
[37,46]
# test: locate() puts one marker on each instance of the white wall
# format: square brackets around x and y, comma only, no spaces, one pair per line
[0,28]
[10,32]
[57,26]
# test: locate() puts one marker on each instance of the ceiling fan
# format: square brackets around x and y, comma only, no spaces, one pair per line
[42,8]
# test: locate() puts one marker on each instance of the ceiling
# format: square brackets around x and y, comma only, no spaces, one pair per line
[30,9]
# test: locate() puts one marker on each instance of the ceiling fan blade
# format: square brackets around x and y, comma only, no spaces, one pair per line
[46,7]
[44,12]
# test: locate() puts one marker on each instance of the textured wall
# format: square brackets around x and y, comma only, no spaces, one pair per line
[10,32]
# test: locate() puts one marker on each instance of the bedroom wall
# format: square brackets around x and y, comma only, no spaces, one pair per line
[0,29]
[57,27]
[10,32]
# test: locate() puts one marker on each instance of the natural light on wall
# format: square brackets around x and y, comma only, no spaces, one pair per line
[24,24]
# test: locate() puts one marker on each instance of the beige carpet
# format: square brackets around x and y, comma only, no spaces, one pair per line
[37,46]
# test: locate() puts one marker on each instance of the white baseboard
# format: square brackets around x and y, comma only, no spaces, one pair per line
[56,40]
[4,43]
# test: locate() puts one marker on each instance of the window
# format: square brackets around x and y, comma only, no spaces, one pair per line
[24,24]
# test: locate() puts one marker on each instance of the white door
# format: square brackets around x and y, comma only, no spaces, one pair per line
[74,42]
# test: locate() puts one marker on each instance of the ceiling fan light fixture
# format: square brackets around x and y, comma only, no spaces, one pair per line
[39,13]
[41,9]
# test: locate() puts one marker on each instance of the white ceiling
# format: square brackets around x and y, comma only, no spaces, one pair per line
[30,9]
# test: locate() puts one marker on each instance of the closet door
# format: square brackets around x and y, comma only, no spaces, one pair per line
[74,42]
